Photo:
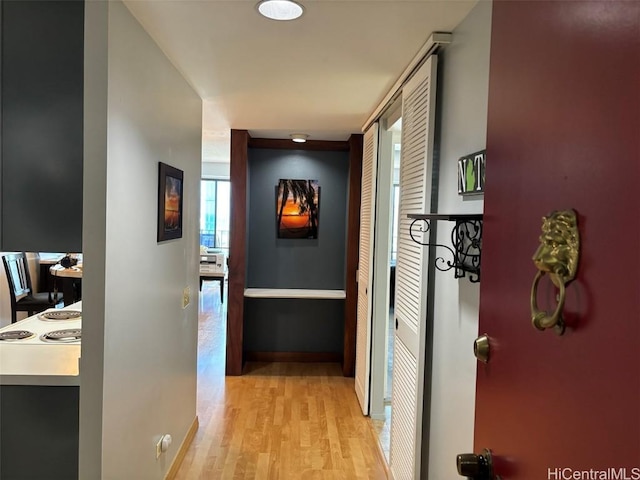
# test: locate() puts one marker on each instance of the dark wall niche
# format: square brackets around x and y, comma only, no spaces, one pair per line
[311,326]
[42,125]
[297,263]
[240,325]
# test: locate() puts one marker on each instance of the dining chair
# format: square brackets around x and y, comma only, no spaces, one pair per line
[23,298]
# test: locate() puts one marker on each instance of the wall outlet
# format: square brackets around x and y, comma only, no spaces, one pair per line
[163,444]
[186,297]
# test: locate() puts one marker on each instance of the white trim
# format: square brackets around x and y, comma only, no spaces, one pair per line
[381,266]
[393,113]
[435,40]
[293,293]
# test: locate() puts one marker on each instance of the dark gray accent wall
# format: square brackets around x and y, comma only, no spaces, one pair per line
[42,125]
[293,325]
[300,263]
[39,432]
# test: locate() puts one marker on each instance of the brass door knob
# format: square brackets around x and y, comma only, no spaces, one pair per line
[476,467]
[481,348]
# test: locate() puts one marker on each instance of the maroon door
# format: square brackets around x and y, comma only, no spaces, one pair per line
[563,132]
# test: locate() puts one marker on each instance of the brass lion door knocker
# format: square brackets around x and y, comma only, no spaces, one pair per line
[557,256]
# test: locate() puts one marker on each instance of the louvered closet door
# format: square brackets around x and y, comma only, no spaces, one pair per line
[365,291]
[418,105]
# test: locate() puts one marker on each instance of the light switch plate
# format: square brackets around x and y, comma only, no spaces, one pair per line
[186,297]
[159,448]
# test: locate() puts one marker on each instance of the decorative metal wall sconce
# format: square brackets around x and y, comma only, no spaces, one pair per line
[466,242]
[557,256]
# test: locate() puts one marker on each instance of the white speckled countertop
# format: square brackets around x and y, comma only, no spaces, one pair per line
[34,362]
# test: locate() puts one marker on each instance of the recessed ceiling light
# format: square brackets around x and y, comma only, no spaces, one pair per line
[299,137]
[280,9]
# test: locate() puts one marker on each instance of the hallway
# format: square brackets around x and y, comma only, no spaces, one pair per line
[278,420]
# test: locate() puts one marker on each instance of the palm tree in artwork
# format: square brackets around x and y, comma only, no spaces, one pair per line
[313,209]
[303,195]
[283,194]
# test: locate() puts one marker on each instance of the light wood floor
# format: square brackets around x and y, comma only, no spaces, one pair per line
[278,420]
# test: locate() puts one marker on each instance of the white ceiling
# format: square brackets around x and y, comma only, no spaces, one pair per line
[322,74]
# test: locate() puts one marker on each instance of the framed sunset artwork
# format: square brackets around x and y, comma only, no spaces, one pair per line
[169,202]
[297,208]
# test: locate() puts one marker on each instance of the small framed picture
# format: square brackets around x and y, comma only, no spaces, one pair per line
[170,181]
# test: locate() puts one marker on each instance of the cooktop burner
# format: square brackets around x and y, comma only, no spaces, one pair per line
[53,315]
[62,336]
[13,335]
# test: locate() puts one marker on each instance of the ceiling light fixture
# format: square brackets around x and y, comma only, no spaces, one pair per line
[280,9]
[299,137]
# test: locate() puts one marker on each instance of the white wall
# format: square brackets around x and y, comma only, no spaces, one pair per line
[217,170]
[139,346]
[465,83]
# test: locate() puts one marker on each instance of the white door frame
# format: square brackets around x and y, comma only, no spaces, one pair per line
[381,261]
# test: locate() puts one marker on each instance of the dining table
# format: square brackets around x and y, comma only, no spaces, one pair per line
[70,279]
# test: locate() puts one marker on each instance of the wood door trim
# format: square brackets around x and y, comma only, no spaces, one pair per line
[353,239]
[237,250]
